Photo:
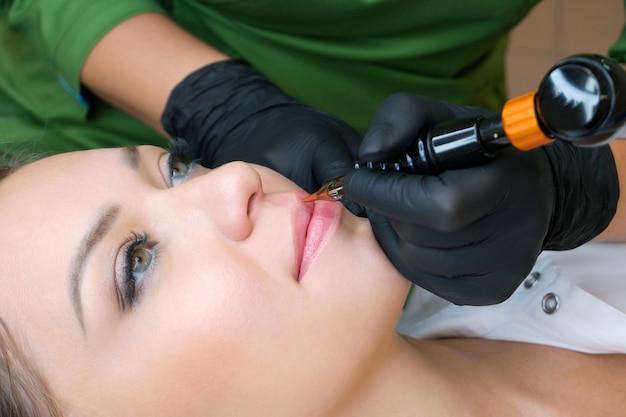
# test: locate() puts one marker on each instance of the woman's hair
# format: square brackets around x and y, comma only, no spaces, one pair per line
[23,391]
[5,171]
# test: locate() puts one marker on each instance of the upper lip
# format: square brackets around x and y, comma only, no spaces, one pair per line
[310,236]
[303,215]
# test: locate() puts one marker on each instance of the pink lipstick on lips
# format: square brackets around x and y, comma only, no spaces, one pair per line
[301,224]
[323,218]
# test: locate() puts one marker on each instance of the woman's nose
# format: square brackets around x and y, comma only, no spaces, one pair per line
[227,196]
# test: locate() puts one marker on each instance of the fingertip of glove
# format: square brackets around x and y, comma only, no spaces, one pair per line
[355,208]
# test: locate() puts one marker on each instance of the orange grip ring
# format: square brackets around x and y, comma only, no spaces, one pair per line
[520,123]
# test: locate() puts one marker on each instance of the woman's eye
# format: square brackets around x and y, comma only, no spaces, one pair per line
[180,161]
[179,170]
[138,262]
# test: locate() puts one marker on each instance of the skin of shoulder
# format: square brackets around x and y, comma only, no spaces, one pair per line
[492,377]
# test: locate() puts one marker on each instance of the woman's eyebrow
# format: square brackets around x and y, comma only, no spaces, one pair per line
[131,156]
[99,229]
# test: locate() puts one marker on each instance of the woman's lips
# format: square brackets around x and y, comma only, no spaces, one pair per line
[304,212]
[311,234]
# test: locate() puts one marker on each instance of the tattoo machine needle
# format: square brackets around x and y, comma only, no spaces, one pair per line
[581,100]
[331,191]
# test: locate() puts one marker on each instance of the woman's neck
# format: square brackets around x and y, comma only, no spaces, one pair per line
[405,380]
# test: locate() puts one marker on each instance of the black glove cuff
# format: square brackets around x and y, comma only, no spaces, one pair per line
[587,191]
[212,101]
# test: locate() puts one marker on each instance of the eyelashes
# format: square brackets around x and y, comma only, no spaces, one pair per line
[180,150]
[180,163]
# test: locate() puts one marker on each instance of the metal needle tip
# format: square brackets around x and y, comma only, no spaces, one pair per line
[309,198]
[331,191]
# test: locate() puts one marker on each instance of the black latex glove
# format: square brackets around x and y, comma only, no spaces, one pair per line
[228,111]
[472,235]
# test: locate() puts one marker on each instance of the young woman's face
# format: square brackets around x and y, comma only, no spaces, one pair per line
[212,292]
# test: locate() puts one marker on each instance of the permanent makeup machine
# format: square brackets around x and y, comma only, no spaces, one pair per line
[581,100]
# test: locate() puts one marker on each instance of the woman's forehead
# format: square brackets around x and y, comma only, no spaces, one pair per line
[45,204]
[57,176]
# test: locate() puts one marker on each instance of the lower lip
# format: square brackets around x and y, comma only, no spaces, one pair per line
[325,216]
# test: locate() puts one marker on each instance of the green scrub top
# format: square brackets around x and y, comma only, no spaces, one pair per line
[344,56]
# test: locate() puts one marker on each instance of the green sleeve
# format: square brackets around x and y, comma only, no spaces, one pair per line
[64,31]
[43,45]
[618,50]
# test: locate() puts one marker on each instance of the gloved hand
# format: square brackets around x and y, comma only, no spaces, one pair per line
[228,111]
[472,235]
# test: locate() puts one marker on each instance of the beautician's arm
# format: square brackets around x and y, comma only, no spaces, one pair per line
[139,62]
[225,109]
